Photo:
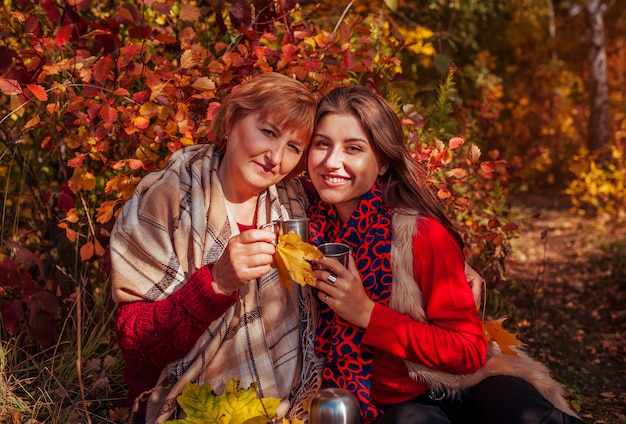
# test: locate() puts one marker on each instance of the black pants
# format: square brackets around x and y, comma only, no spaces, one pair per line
[495,400]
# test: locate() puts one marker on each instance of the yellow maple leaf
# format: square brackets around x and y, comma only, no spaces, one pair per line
[495,332]
[291,260]
[234,406]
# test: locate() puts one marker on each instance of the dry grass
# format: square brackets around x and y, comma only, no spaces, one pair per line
[76,380]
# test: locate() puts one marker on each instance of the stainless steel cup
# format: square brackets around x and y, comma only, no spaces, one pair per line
[334,406]
[272,227]
[338,251]
[299,226]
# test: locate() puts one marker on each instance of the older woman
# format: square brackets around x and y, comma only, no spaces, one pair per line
[197,298]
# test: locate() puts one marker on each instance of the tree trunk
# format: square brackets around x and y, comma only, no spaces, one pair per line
[598,134]
[552,29]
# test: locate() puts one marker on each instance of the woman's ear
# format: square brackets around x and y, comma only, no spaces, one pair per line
[382,168]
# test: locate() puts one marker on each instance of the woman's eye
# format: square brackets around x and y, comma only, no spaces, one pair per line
[354,148]
[320,143]
[294,148]
[267,132]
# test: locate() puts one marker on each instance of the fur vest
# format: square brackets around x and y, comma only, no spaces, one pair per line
[406,298]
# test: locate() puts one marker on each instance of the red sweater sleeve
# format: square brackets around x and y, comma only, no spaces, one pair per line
[153,334]
[452,339]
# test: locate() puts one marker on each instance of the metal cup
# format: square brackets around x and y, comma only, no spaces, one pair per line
[299,226]
[272,227]
[338,251]
[334,406]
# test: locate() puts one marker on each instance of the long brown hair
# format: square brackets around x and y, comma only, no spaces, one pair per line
[403,184]
[287,101]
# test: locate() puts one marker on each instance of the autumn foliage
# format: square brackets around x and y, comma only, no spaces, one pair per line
[234,405]
[292,260]
[95,94]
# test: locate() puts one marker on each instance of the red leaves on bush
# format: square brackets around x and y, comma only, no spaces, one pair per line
[10,87]
[9,274]
[510,227]
[108,98]
[42,306]
[62,34]
[102,68]
[12,315]
[20,281]
[42,309]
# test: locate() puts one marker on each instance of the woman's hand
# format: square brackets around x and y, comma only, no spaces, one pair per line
[476,283]
[247,257]
[342,290]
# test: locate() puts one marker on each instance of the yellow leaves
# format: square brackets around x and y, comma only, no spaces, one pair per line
[504,339]
[150,109]
[81,180]
[141,122]
[204,83]
[157,90]
[104,212]
[291,259]
[122,185]
[415,39]
[234,406]
[600,186]
[392,4]
[474,153]
[189,13]
[188,60]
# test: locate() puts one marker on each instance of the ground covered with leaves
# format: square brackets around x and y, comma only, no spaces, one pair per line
[566,284]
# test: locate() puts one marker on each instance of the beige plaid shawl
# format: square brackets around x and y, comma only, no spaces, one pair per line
[178,221]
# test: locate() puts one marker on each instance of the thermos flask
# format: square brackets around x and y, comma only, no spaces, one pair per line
[334,406]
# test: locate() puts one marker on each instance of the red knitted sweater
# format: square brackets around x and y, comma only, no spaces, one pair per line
[453,341]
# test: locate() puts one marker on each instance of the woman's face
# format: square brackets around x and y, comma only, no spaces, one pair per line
[258,154]
[341,162]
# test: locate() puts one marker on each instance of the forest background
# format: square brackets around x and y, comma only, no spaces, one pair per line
[502,99]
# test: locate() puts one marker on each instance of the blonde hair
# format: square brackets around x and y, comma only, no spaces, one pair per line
[289,103]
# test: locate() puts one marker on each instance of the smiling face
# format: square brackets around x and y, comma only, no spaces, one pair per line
[342,164]
[258,154]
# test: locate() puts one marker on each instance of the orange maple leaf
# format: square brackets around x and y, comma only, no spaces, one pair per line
[504,339]
[81,179]
[291,260]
